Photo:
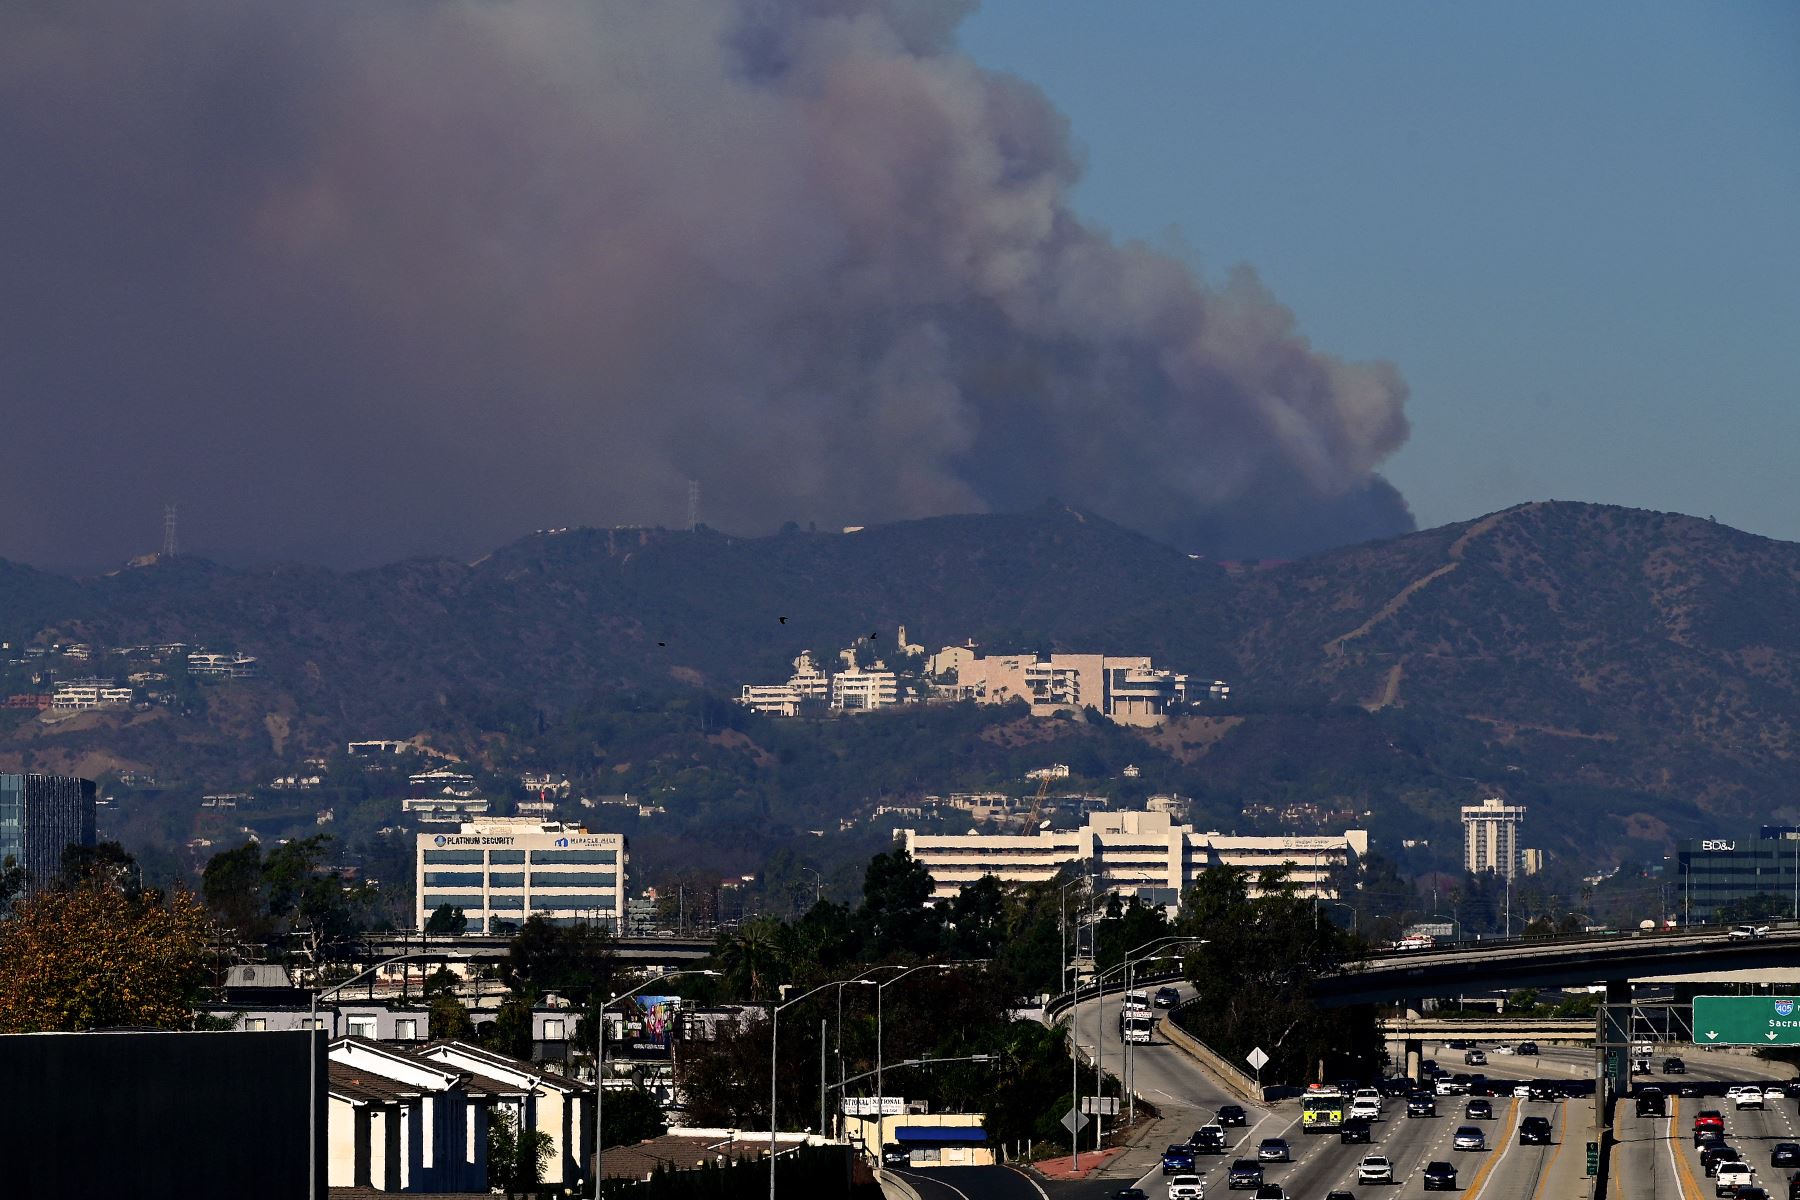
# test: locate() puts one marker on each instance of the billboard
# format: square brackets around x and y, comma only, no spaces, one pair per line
[644,1028]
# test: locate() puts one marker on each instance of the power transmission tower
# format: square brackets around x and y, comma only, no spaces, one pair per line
[693,504]
[170,545]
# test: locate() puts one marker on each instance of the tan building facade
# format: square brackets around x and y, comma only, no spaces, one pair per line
[1135,853]
[500,870]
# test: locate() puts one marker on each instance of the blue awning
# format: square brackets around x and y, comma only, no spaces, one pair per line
[939,1135]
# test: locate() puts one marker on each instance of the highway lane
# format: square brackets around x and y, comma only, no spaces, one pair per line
[970,1183]
[1656,1157]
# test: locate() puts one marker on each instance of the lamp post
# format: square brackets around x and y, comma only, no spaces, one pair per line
[1131,960]
[600,1067]
[312,1063]
[774,1045]
[1062,905]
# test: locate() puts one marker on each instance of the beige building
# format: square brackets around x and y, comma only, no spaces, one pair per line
[1136,853]
[500,870]
[1125,689]
[1491,837]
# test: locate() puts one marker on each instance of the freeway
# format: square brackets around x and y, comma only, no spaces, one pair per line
[1655,1158]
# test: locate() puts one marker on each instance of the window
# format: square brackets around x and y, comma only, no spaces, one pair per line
[467,857]
[506,879]
[362,1027]
[510,903]
[497,857]
[406,1029]
[558,879]
[606,857]
[463,900]
[453,879]
[553,1030]
[602,901]
[256,1024]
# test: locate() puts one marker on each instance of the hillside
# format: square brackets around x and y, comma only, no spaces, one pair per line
[1631,675]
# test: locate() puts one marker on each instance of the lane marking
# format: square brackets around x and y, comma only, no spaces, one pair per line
[1034,1183]
[938,1182]
[1487,1169]
[1684,1174]
[1557,1138]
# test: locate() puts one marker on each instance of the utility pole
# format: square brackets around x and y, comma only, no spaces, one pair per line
[171,544]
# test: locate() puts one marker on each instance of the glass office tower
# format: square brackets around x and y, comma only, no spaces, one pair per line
[40,817]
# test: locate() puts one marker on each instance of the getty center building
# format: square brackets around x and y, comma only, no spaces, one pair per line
[500,870]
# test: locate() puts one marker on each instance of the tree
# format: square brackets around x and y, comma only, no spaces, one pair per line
[446,920]
[896,908]
[91,956]
[572,960]
[633,1116]
[440,981]
[236,893]
[12,883]
[510,1032]
[107,861]
[449,1020]
[517,1156]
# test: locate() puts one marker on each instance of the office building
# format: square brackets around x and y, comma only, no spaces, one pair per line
[1124,689]
[1713,872]
[1141,854]
[500,870]
[1491,837]
[40,817]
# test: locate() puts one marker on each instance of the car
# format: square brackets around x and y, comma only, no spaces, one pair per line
[1457,1045]
[1478,1110]
[1744,932]
[1791,1088]
[1745,1095]
[1439,1176]
[1208,1139]
[1244,1173]
[1541,1092]
[1355,1129]
[1501,1050]
[1421,1104]
[1714,1153]
[1178,1160]
[1785,1154]
[1374,1168]
[1429,1067]
[1271,1191]
[1397,1085]
[1187,1187]
[1166,997]
[1468,1137]
[1708,1137]
[1534,1131]
[1528,1048]
[1674,1066]
[1367,1109]
[1652,1103]
[1709,1118]
[1273,1149]
[1475,1058]
[1752,1193]
[1731,1176]
[1232,1114]
[1340,1195]
[1131,1194]
[895,1156]
[1640,1066]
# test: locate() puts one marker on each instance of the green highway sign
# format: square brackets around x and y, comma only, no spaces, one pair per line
[1746,1021]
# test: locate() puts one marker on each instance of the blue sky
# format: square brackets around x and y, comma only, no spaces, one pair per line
[1575,227]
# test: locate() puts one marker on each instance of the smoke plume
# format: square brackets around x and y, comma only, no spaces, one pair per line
[350,280]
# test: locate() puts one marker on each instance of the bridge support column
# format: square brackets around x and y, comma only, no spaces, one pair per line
[1415,1058]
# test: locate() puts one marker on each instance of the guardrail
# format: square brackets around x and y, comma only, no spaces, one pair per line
[1237,1081]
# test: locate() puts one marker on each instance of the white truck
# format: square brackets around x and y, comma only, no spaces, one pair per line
[1731,1176]
[1137,1027]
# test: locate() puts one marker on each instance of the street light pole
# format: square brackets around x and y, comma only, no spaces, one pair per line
[880,1095]
[600,1068]
[312,1064]
[774,1047]
[1131,960]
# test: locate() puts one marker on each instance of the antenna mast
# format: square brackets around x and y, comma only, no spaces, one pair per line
[170,545]
[693,504]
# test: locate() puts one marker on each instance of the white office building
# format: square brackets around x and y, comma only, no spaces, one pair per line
[1141,854]
[1491,837]
[858,690]
[500,870]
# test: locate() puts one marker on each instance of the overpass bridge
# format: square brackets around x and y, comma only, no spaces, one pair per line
[485,948]
[1614,960]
